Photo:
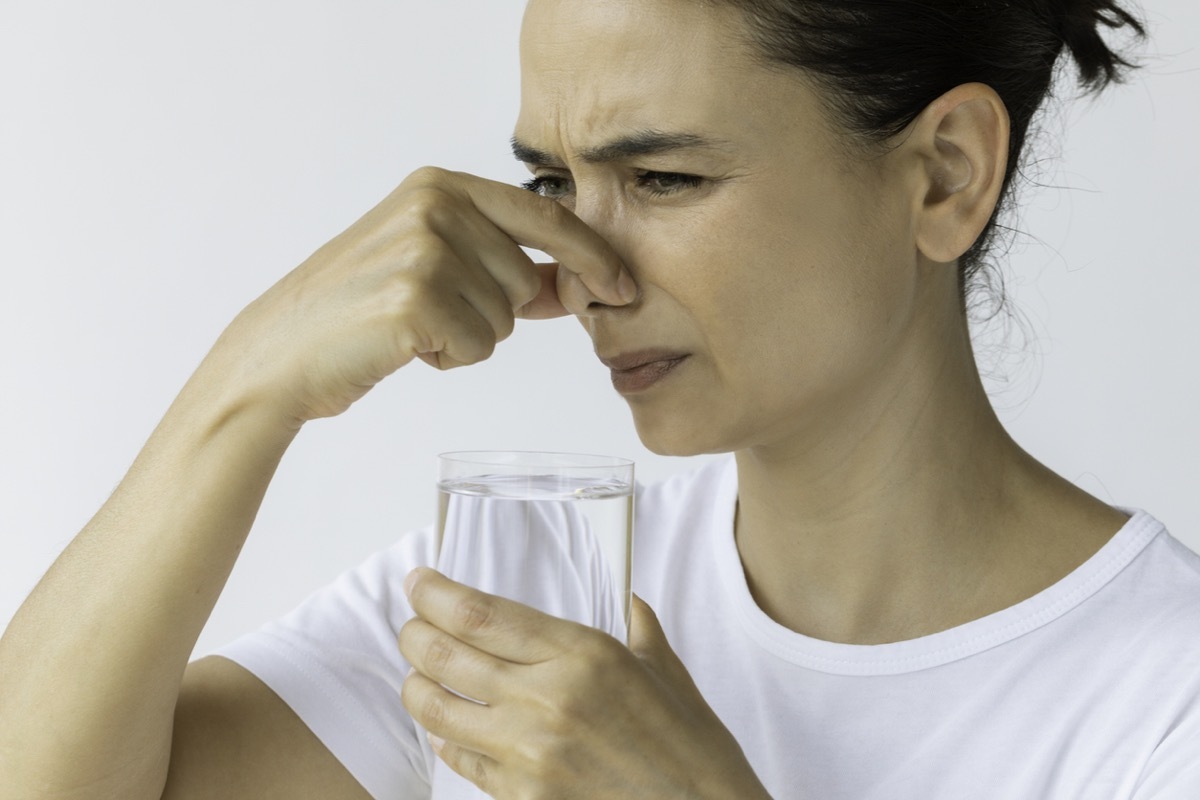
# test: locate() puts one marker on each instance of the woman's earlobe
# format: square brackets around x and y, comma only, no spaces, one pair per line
[962,139]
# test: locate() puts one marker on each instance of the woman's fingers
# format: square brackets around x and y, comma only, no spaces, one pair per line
[435,271]
[499,260]
[546,304]
[445,714]
[450,662]
[534,221]
[503,628]
[570,712]
[450,333]
[479,769]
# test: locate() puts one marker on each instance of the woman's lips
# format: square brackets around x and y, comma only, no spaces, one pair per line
[638,371]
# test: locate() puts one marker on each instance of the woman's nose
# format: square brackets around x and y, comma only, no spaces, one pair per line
[601,215]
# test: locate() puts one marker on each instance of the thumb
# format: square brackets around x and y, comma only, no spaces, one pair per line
[649,643]
[546,304]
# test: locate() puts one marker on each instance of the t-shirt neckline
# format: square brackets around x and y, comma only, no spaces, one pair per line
[929,651]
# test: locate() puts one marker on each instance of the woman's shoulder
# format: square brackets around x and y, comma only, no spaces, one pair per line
[1154,595]
[1168,571]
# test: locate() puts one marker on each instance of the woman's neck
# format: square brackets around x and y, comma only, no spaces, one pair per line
[908,514]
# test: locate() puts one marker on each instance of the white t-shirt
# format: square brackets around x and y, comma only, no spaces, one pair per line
[1090,689]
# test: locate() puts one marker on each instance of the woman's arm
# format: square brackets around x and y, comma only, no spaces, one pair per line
[92,664]
[234,738]
[93,660]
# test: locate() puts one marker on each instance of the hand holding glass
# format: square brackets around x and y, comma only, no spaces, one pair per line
[550,530]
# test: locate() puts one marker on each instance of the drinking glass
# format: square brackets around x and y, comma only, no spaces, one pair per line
[550,530]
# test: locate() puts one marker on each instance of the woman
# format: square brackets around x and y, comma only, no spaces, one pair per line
[767,216]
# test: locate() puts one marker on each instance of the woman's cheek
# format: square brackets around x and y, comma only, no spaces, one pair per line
[691,249]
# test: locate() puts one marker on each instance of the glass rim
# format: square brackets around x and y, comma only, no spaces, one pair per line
[540,459]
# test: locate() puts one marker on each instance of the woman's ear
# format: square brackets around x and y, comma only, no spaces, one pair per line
[961,146]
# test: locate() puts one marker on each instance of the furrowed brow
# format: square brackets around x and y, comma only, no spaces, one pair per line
[648,143]
[532,156]
[641,143]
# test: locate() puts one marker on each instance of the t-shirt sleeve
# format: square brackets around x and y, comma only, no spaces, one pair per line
[335,661]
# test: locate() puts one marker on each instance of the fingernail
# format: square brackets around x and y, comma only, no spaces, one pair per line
[409,582]
[436,742]
[626,287]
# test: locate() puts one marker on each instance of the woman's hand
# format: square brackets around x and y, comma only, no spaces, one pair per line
[435,272]
[565,710]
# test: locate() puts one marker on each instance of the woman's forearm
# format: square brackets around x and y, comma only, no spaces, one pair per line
[90,667]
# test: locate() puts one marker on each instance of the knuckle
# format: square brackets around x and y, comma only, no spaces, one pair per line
[537,753]
[564,702]
[595,665]
[530,751]
[399,302]
[529,285]
[429,205]
[427,175]
[443,363]
[549,759]
[420,263]
[476,614]
[422,252]
[439,656]
[479,775]
[472,350]
[600,655]
[435,712]
[423,267]
[506,325]
[486,345]
[566,709]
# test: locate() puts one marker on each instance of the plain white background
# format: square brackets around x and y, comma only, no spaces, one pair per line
[162,164]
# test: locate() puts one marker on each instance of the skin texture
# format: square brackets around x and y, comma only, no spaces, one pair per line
[813,292]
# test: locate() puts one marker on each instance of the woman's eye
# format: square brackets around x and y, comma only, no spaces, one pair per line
[549,186]
[655,183]
[661,183]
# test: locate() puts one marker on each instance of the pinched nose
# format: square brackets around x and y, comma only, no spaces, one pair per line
[582,302]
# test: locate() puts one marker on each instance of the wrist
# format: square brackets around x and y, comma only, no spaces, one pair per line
[231,387]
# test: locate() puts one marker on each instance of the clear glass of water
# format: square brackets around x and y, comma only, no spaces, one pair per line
[550,530]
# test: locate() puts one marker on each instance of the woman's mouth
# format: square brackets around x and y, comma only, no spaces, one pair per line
[637,371]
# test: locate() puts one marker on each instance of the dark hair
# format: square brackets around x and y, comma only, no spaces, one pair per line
[882,62]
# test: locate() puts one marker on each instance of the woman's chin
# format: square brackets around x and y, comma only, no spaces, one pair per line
[678,437]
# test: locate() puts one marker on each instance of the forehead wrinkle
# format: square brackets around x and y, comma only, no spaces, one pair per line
[598,73]
[596,67]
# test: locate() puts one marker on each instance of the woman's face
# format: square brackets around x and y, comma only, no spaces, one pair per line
[778,277]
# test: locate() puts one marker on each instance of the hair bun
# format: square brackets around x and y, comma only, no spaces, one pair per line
[1079,23]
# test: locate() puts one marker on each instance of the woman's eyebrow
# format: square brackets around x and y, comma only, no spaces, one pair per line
[640,143]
